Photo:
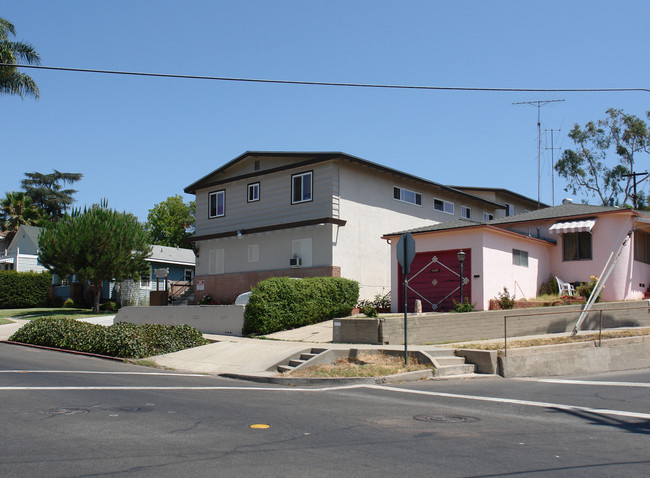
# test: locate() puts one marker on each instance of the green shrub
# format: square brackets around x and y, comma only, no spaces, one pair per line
[108,306]
[119,340]
[464,307]
[586,288]
[379,302]
[505,300]
[19,290]
[281,303]
[69,303]
[369,311]
[549,287]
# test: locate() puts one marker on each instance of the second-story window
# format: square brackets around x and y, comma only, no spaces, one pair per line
[405,195]
[301,187]
[510,209]
[217,204]
[443,206]
[253,192]
[465,212]
[487,216]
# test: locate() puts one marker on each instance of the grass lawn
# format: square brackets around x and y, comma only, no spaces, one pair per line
[50,312]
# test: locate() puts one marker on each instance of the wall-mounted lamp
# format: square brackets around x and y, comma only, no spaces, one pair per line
[461,259]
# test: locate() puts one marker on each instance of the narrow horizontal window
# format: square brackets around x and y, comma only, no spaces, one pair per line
[443,206]
[405,195]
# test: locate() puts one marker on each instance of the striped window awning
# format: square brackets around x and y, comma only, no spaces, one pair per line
[585,225]
[6,260]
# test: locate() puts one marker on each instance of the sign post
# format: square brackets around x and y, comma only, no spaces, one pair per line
[405,255]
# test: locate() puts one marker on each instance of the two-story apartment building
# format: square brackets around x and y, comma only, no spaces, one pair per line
[302,214]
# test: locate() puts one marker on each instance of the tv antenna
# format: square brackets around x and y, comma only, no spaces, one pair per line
[552,148]
[539,104]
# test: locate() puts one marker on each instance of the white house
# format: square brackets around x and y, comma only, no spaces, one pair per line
[22,252]
[303,214]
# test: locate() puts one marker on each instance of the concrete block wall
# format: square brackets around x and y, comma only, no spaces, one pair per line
[208,319]
[226,287]
[453,327]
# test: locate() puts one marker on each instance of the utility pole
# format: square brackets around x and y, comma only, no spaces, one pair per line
[633,175]
[539,104]
[552,164]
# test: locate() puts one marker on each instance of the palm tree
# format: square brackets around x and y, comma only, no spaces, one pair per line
[13,82]
[18,209]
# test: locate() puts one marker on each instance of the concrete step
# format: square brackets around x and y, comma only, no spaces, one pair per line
[284,368]
[307,356]
[304,358]
[450,360]
[455,370]
[296,362]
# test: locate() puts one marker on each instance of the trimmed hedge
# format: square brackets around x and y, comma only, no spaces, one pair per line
[22,290]
[282,303]
[119,340]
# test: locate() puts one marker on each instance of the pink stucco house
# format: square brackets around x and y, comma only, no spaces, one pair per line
[520,252]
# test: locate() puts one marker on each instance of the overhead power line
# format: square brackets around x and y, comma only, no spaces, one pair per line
[327,83]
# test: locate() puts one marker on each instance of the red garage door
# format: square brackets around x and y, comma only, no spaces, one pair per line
[435,280]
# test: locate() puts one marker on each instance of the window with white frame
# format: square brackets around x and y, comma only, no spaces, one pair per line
[404,195]
[145,281]
[510,209]
[188,274]
[253,192]
[465,212]
[443,206]
[487,216]
[301,187]
[520,258]
[217,204]
[641,246]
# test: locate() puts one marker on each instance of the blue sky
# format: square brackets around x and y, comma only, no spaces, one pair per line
[139,140]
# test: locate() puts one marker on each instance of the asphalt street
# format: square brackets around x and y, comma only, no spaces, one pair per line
[67,416]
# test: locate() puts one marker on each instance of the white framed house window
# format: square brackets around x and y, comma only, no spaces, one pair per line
[443,206]
[301,187]
[465,212]
[253,192]
[188,275]
[510,209]
[217,204]
[520,258]
[487,216]
[145,281]
[405,195]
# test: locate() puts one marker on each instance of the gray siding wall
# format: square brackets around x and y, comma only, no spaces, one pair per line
[274,205]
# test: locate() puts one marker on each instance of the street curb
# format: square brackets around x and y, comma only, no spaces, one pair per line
[54,349]
[335,381]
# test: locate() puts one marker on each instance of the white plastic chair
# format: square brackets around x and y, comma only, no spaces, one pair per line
[565,287]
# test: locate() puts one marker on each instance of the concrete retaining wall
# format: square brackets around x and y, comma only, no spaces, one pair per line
[209,319]
[453,327]
[627,353]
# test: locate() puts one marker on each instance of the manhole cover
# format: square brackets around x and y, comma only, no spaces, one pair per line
[65,411]
[445,418]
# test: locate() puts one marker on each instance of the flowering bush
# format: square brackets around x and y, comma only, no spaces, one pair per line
[586,288]
[208,300]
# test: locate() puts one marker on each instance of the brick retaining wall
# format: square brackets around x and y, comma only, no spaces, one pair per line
[226,287]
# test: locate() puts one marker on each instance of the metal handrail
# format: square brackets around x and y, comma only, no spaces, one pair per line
[600,329]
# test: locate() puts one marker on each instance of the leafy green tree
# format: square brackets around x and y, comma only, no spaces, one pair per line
[18,209]
[171,221]
[585,167]
[48,193]
[97,244]
[12,81]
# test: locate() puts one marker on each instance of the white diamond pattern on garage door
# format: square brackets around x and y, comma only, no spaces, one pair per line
[435,280]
